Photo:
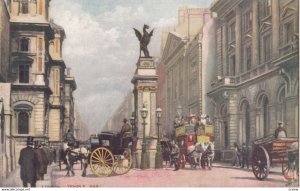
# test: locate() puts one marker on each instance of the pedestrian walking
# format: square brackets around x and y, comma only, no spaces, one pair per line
[236,157]
[175,155]
[28,162]
[43,161]
[245,155]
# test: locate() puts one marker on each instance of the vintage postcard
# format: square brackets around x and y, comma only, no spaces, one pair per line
[149,93]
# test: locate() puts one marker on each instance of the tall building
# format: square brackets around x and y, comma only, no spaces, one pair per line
[256,82]
[184,67]
[37,95]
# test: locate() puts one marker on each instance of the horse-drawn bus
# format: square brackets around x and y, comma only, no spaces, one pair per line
[108,155]
[193,141]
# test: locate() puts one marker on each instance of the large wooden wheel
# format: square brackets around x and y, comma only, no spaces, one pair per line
[102,162]
[290,169]
[123,163]
[260,163]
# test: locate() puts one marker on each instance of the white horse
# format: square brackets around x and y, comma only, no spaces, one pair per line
[208,155]
[195,153]
[73,155]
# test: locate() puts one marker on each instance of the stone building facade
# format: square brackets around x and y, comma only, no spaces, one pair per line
[256,82]
[37,95]
[184,68]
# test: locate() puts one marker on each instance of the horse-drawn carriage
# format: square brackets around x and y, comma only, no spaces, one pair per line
[193,144]
[269,150]
[108,155]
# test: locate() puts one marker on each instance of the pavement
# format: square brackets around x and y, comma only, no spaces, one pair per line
[14,180]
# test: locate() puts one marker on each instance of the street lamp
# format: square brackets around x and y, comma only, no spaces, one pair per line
[144,113]
[132,122]
[158,156]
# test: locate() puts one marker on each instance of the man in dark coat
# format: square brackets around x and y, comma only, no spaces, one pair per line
[125,133]
[280,132]
[245,155]
[43,161]
[69,138]
[28,162]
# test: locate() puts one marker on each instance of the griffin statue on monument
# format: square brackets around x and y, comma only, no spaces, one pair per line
[144,39]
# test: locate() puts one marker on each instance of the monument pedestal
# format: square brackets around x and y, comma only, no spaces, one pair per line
[145,87]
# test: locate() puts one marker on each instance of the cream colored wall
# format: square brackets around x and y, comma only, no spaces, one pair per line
[54,125]
[34,14]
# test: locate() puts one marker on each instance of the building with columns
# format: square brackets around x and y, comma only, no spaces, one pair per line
[256,81]
[184,68]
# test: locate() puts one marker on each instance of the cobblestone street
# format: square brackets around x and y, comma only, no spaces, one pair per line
[219,176]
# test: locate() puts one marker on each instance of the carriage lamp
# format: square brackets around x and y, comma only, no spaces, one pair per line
[158,155]
[144,113]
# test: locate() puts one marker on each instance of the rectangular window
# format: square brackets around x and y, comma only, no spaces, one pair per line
[24,73]
[264,8]
[248,58]
[232,66]
[288,32]
[267,47]
[247,21]
[231,32]
[24,4]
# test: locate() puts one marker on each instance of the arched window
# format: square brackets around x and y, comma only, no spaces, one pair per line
[281,105]
[24,44]
[266,115]
[244,122]
[262,116]
[23,123]
[23,113]
[224,126]
[24,9]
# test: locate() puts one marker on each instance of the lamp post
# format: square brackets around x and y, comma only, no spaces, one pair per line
[144,113]
[132,122]
[158,156]
[179,111]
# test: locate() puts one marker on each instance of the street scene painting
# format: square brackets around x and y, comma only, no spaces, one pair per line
[149,93]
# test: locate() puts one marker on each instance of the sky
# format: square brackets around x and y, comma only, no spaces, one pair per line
[102,49]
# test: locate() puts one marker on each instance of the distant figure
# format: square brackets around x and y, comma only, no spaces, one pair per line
[175,156]
[125,133]
[236,158]
[280,132]
[144,40]
[43,161]
[28,161]
[245,155]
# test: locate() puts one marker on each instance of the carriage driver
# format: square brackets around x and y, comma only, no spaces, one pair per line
[280,132]
[69,139]
[125,133]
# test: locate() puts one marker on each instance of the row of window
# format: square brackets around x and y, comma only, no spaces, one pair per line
[25,6]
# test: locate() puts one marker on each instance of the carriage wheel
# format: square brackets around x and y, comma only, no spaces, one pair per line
[182,161]
[260,163]
[123,163]
[290,169]
[102,161]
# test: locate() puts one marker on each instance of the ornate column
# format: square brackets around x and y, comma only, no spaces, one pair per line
[145,87]
[225,51]
[238,41]
[255,34]
[275,28]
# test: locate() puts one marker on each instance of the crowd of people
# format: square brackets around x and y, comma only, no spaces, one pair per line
[34,161]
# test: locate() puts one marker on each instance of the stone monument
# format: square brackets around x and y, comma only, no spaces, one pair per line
[145,87]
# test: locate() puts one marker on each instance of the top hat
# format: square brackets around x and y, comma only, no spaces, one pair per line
[124,120]
[30,140]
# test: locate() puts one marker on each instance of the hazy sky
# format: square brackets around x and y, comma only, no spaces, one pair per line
[102,49]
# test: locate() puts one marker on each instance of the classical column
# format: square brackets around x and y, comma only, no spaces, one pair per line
[238,41]
[275,28]
[255,34]
[224,49]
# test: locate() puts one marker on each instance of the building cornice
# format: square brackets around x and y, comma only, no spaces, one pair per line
[26,87]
